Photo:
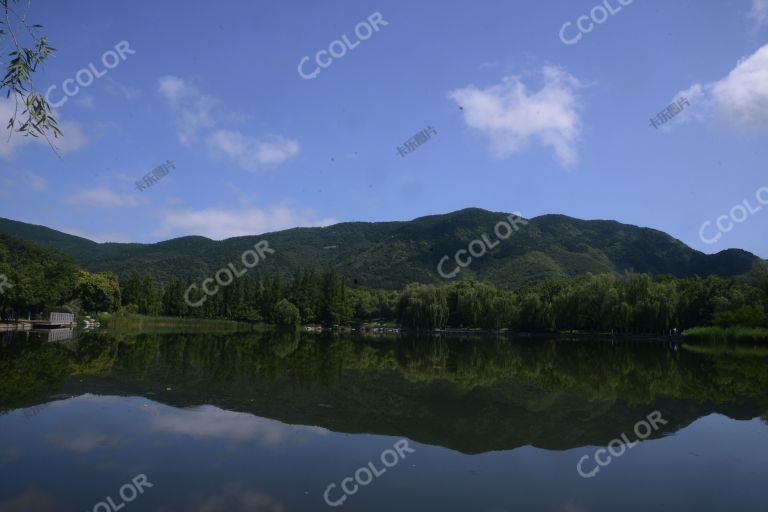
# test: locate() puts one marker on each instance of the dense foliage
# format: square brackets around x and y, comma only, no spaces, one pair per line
[37,276]
[308,297]
[629,303]
[633,303]
[39,279]
[98,292]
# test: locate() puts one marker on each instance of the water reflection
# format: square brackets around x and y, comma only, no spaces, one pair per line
[210,422]
[261,421]
[469,395]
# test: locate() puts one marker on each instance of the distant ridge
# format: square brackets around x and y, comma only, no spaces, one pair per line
[393,254]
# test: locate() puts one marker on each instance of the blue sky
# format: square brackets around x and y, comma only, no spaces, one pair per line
[523,121]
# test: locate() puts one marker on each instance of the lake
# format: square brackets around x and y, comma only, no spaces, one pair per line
[275,421]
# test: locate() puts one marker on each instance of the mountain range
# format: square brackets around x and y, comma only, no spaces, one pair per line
[390,255]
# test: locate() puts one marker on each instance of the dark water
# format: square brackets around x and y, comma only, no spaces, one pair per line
[267,422]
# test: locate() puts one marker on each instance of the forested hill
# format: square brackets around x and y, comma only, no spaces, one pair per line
[393,254]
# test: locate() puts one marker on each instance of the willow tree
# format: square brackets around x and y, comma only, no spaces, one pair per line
[32,115]
[423,306]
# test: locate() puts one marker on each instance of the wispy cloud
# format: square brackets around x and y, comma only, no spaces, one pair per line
[488,65]
[191,110]
[72,139]
[759,13]
[35,181]
[512,117]
[103,197]
[85,101]
[116,88]
[194,112]
[739,100]
[249,153]
[219,223]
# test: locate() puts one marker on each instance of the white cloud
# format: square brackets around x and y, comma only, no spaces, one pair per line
[759,12]
[512,117]
[103,197]
[250,153]
[72,139]
[740,99]
[219,224]
[191,110]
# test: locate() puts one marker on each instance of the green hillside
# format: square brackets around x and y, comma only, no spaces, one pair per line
[392,254]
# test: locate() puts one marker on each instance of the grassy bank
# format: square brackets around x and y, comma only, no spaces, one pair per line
[159,324]
[727,333]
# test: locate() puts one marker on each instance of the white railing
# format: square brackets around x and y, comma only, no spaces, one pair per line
[62,318]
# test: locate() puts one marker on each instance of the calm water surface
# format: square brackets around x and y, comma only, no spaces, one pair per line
[268,421]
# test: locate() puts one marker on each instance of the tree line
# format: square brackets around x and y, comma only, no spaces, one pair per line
[630,303]
[42,278]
